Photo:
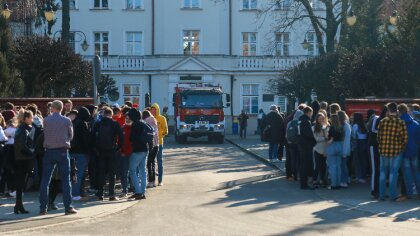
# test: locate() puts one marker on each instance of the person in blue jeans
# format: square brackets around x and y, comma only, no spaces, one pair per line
[276,132]
[344,120]
[58,132]
[80,148]
[138,158]
[336,135]
[361,148]
[410,164]
[392,139]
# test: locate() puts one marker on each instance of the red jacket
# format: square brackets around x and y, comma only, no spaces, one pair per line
[127,149]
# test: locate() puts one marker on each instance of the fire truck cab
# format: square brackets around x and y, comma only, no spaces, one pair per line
[199,112]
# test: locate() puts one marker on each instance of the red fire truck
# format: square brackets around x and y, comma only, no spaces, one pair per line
[199,112]
[362,105]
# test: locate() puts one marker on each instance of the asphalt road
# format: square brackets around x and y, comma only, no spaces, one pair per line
[212,189]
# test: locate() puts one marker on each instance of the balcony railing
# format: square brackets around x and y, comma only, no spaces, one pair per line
[218,62]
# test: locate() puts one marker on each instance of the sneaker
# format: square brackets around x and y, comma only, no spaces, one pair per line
[113,199]
[140,197]
[123,195]
[133,196]
[13,194]
[154,185]
[71,211]
[100,198]
[401,199]
[52,207]
[344,185]
[362,181]
[150,185]
[160,184]
[77,198]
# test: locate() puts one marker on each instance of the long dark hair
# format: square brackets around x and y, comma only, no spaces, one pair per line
[358,120]
[337,124]
[318,126]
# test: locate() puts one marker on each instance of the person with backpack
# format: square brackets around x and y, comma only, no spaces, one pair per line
[108,138]
[153,149]
[274,131]
[292,133]
[141,138]
[320,130]
[306,143]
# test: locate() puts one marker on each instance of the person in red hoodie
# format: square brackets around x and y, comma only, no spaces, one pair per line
[124,159]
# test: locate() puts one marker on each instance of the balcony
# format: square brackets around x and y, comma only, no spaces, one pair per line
[217,62]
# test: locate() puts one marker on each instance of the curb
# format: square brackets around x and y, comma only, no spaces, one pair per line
[99,215]
[255,156]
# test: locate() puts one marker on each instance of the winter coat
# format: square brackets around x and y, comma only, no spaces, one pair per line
[306,136]
[81,138]
[162,124]
[137,142]
[114,139]
[321,140]
[24,143]
[413,129]
[127,148]
[152,122]
[275,124]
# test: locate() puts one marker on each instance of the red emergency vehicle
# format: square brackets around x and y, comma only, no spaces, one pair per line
[199,112]
[362,105]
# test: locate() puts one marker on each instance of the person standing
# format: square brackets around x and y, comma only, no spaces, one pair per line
[360,153]
[260,119]
[80,149]
[392,139]
[292,136]
[24,155]
[162,131]
[138,158]
[274,124]
[306,142]
[336,136]
[345,160]
[243,123]
[126,152]
[58,133]
[410,170]
[108,138]
[8,164]
[320,130]
[68,107]
[153,150]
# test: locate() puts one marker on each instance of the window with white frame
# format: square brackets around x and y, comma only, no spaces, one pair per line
[250,98]
[283,4]
[249,44]
[191,4]
[191,42]
[134,4]
[134,43]
[282,44]
[312,43]
[100,4]
[131,93]
[101,43]
[249,4]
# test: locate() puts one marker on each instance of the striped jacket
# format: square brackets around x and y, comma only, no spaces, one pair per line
[392,136]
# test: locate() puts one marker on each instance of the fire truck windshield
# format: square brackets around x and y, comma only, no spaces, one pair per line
[200,100]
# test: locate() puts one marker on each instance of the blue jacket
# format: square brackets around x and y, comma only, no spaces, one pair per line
[413,128]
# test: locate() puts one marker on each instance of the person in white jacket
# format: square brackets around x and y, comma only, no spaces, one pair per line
[344,119]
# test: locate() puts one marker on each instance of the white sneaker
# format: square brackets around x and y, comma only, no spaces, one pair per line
[160,184]
[344,185]
[13,194]
[77,198]
[362,181]
[150,185]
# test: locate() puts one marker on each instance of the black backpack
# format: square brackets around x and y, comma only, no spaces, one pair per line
[148,133]
[292,132]
[105,136]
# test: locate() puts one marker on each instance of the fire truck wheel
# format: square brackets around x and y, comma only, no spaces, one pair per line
[220,139]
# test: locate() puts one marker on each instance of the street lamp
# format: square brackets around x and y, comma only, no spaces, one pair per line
[49,13]
[82,36]
[305,44]
[351,18]
[84,45]
[393,19]
[6,11]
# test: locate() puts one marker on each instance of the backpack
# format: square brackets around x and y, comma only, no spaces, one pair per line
[292,132]
[148,133]
[105,136]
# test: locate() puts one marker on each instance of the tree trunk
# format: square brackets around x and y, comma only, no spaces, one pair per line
[65,26]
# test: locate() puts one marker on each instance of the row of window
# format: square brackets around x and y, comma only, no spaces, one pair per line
[191,43]
[245,4]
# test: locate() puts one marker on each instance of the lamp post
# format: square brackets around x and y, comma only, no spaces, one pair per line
[83,38]
[305,44]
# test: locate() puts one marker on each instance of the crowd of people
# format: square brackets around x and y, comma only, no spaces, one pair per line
[326,148]
[70,149]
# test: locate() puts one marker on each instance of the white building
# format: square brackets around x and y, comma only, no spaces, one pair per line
[151,46]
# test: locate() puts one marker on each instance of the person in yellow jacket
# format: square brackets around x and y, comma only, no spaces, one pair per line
[163,131]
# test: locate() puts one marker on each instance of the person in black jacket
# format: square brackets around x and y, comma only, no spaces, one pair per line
[138,158]
[275,131]
[108,139]
[24,155]
[306,142]
[80,148]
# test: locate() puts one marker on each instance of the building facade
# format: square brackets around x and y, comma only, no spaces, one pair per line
[152,46]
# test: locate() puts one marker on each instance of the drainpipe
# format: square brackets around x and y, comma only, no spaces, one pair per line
[230,27]
[150,86]
[232,78]
[153,27]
